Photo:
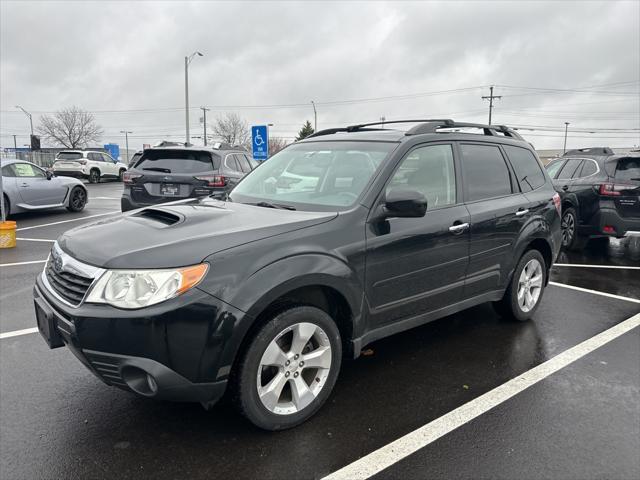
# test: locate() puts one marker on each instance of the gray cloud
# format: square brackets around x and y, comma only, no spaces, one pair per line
[129,56]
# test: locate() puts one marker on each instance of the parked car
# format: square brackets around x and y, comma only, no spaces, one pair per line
[169,173]
[134,159]
[27,187]
[87,164]
[263,294]
[600,196]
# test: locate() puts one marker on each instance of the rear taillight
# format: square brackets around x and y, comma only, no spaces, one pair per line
[557,202]
[613,189]
[213,180]
[128,178]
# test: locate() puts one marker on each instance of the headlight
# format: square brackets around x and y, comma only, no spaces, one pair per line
[142,288]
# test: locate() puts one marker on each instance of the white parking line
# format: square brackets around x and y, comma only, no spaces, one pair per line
[393,452]
[17,333]
[596,292]
[105,198]
[35,240]
[21,263]
[582,265]
[77,219]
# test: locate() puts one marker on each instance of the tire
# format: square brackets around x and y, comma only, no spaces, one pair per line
[77,199]
[7,205]
[121,175]
[569,225]
[273,344]
[515,307]
[94,176]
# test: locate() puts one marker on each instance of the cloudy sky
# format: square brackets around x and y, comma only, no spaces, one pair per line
[554,62]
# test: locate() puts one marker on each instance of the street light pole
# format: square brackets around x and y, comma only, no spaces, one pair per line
[126,141]
[28,115]
[315,117]
[566,128]
[187,61]
[204,112]
[15,143]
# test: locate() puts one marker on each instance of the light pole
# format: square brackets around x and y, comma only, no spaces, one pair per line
[566,127]
[28,115]
[315,117]
[204,113]
[126,142]
[187,61]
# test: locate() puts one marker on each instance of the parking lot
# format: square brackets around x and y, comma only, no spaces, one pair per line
[578,419]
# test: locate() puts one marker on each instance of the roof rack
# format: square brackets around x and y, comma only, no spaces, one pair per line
[425,126]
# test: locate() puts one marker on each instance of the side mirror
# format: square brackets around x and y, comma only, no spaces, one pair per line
[405,203]
[49,174]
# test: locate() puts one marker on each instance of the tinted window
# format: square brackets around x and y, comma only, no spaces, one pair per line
[177,161]
[554,167]
[8,171]
[243,162]
[69,156]
[231,163]
[628,169]
[27,170]
[528,171]
[430,171]
[485,173]
[588,168]
[569,169]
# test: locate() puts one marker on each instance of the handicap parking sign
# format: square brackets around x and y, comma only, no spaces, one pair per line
[260,142]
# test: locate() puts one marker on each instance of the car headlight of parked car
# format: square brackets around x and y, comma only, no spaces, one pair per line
[142,288]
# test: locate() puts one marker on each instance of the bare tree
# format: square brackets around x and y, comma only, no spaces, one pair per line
[276,144]
[71,127]
[232,129]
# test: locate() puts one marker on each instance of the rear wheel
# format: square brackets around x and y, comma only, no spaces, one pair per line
[77,199]
[289,369]
[522,298]
[569,225]
[94,175]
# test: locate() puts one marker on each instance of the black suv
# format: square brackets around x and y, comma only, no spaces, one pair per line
[169,173]
[346,237]
[600,194]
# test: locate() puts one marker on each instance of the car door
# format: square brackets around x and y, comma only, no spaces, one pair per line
[498,211]
[564,178]
[110,165]
[581,190]
[418,265]
[34,187]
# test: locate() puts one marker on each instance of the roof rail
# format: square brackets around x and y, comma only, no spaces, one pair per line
[362,126]
[491,130]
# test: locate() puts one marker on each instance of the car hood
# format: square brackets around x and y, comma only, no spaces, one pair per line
[179,234]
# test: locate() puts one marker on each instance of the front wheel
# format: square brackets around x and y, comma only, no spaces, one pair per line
[289,369]
[523,296]
[77,199]
[94,176]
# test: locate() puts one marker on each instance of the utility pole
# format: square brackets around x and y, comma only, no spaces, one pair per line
[566,128]
[382,119]
[15,143]
[126,141]
[187,61]
[315,117]
[28,115]
[204,113]
[490,97]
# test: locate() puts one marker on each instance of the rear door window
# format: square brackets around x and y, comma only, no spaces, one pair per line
[485,172]
[628,169]
[528,171]
[554,167]
[176,161]
[243,162]
[569,169]
[231,163]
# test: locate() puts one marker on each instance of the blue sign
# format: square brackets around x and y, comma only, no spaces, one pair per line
[260,142]
[113,149]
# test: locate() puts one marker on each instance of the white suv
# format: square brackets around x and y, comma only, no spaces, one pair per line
[92,165]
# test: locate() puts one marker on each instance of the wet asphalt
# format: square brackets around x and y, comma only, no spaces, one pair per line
[58,421]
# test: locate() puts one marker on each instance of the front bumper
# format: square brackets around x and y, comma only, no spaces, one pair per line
[170,351]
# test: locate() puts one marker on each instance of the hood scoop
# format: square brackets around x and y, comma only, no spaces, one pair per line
[160,216]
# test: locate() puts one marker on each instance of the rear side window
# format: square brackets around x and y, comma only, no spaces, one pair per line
[231,163]
[588,168]
[554,167]
[69,156]
[528,171]
[569,169]
[243,162]
[485,172]
[178,161]
[628,169]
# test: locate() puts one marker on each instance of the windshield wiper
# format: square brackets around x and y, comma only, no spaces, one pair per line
[158,169]
[273,205]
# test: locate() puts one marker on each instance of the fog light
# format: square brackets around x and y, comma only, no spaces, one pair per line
[153,386]
[608,229]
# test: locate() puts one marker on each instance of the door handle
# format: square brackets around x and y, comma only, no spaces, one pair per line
[24,185]
[519,213]
[459,228]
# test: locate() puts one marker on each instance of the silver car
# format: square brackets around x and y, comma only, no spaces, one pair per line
[27,187]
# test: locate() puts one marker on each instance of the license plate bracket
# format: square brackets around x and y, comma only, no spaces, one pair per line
[46,325]
[170,189]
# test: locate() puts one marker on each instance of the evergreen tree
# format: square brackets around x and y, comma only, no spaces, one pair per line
[305,131]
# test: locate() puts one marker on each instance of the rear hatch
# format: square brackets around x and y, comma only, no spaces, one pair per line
[69,160]
[625,185]
[163,175]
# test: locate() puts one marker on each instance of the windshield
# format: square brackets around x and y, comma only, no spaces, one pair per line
[178,161]
[69,156]
[314,176]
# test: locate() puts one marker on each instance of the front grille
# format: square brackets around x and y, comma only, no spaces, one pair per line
[69,286]
[107,368]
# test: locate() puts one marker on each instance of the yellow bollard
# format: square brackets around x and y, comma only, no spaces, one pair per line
[7,234]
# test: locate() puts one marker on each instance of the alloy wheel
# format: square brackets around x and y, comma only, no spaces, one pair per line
[568,225]
[530,285]
[294,368]
[78,199]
